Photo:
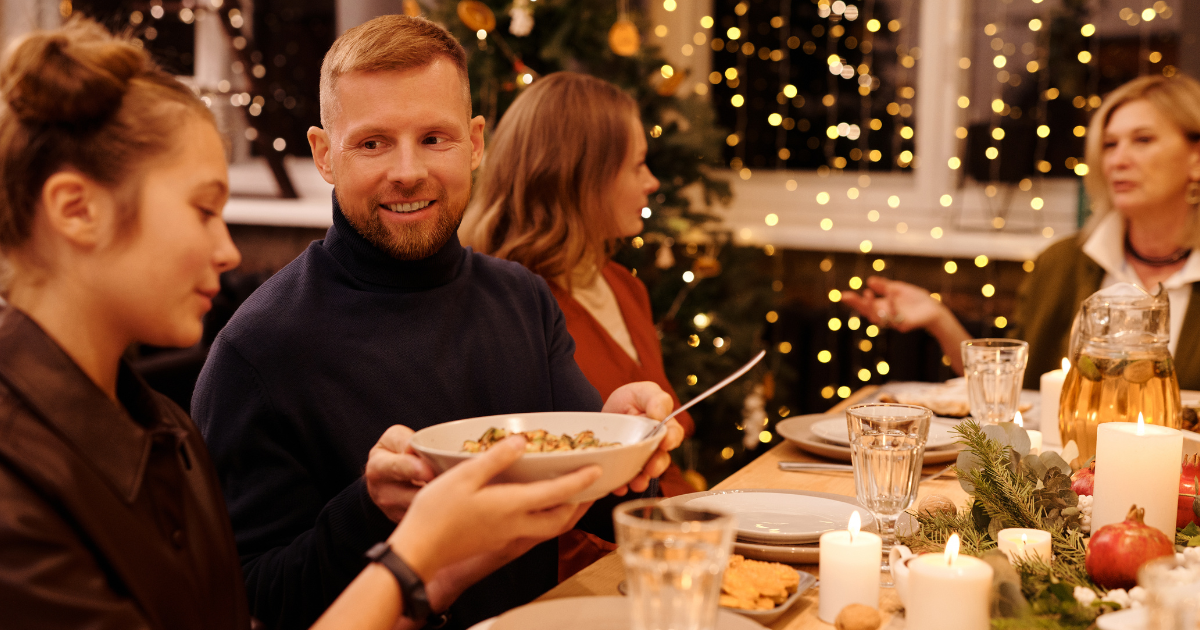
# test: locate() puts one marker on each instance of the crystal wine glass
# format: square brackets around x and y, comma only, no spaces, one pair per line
[887,446]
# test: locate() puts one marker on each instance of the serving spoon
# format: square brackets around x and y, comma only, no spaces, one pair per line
[709,392]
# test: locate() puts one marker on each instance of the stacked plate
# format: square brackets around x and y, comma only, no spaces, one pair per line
[780,525]
[826,435]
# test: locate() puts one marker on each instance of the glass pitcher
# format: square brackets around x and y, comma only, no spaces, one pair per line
[1120,366]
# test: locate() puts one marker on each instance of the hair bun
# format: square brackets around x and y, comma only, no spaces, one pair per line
[76,75]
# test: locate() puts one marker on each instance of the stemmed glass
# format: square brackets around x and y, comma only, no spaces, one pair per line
[887,446]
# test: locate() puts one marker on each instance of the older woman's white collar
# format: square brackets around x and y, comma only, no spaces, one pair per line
[1106,246]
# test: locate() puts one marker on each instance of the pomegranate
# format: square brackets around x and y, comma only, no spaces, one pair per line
[1189,485]
[1083,481]
[1117,550]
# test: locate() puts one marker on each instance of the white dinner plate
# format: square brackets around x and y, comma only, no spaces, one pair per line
[1124,619]
[780,517]
[835,430]
[589,613]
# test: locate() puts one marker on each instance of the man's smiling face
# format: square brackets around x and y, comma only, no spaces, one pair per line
[399,151]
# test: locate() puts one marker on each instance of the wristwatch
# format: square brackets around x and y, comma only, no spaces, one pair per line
[412,588]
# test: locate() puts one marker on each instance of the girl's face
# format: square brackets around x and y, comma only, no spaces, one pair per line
[633,185]
[156,283]
[1148,162]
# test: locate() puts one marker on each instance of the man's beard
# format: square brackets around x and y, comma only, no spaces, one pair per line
[413,242]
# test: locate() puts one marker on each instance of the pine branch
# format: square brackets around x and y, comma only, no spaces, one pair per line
[1002,493]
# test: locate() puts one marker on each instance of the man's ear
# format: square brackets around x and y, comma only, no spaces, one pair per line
[77,208]
[476,142]
[318,141]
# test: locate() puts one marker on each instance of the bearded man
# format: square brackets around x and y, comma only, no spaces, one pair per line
[386,326]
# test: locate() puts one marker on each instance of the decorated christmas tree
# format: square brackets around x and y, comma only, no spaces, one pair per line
[710,298]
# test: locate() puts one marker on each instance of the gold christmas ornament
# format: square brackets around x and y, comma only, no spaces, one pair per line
[669,86]
[623,37]
[412,8]
[706,267]
[476,16]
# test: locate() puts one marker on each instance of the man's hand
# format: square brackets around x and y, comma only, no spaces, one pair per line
[458,516]
[395,472]
[649,400]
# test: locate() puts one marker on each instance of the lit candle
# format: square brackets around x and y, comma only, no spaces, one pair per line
[1035,437]
[849,566]
[1052,384]
[1137,464]
[948,592]
[1016,542]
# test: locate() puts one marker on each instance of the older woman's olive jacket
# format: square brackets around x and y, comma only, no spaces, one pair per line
[110,515]
[1062,278]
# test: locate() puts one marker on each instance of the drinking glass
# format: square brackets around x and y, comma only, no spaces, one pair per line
[994,369]
[674,560]
[887,447]
[1172,593]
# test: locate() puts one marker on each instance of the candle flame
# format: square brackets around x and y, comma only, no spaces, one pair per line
[855,523]
[1141,430]
[1024,541]
[952,549]
[1019,420]
[1066,365]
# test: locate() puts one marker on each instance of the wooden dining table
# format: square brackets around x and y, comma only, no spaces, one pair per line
[603,576]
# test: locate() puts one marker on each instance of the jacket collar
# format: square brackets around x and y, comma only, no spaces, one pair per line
[373,266]
[108,437]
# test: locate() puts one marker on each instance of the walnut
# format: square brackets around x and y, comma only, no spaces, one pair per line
[858,617]
[936,503]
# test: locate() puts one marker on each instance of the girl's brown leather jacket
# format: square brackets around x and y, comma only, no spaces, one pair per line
[110,514]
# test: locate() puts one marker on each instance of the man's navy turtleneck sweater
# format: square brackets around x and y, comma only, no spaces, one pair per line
[339,345]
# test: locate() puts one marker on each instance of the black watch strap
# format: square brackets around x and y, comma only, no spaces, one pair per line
[412,588]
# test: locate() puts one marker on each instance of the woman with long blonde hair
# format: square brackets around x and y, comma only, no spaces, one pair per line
[1143,149]
[563,182]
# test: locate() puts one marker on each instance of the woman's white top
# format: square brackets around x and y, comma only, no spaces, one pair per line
[1106,246]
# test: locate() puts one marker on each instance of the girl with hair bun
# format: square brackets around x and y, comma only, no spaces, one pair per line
[112,184]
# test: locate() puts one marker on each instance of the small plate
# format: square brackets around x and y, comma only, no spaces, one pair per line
[807,580]
[780,517]
[798,431]
[590,613]
[1126,619]
[787,554]
[835,430]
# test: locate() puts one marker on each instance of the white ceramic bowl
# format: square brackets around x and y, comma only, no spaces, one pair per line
[441,446]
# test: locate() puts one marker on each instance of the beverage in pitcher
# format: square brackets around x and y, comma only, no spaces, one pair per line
[1116,387]
[1120,366]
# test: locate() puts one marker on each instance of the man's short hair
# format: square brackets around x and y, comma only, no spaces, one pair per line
[388,42]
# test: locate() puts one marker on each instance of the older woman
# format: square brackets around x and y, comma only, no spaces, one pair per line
[1144,145]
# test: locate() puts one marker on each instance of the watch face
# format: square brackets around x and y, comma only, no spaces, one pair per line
[375,553]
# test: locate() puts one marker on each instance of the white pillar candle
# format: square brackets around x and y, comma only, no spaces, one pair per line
[947,591]
[849,566]
[1137,464]
[1016,543]
[1051,394]
[1035,437]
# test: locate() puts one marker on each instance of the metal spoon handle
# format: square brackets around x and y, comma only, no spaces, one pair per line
[710,391]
